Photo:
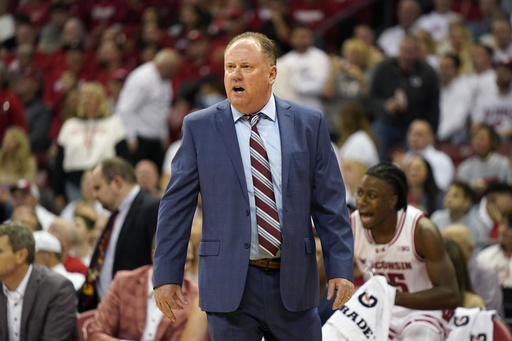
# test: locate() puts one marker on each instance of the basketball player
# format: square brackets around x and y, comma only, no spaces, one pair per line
[406,247]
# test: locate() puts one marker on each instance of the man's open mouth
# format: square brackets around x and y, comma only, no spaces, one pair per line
[238,89]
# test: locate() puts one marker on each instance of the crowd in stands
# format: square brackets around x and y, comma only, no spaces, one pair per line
[86,82]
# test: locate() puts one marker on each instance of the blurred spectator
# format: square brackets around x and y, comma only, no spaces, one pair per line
[428,48]
[483,278]
[37,304]
[87,197]
[437,22]
[16,160]
[38,116]
[353,172]
[110,58]
[423,191]
[196,62]
[348,80]
[420,139]
[499,255]
[496,202]
[391,38]
[147,177]
[403,89]
[482,81]
[489,9]
[26,193]
[66,234]
[129,311]
[308,68]
[365,33]
[84,141]
[12,112]
[469,299]
[6,22]
[314,12]
[75,64]
[502,33]
[278,25]
[67,107]
[144,106]
[150,33]
[459,43]
[211,91]
[48,253]
[496,108]
[125,243]
[24,62]
[83,225]
[458,208]
[73,34]
[190,18]
[26,215]
[114,86]
[166,167]
[454,102]
[50,37]
[356,140]
[486,165]
[101,14]
[37,10]
[231,22]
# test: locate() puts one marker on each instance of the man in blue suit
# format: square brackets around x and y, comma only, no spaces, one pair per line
[255,280]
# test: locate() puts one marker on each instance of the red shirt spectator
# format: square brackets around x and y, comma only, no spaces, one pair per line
[12,111]
[37,10]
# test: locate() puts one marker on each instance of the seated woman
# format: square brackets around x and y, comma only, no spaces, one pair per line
[86,140]
[469,298]
[423,191]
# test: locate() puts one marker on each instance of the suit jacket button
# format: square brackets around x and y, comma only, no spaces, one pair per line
[247,245]
[247,212]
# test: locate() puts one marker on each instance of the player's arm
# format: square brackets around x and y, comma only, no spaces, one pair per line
[445,293]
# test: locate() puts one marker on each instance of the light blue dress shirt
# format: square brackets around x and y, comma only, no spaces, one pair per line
[268,127]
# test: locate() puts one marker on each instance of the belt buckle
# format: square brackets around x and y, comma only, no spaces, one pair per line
[268,263]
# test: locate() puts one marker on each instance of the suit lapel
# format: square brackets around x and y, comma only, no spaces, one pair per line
[4,335]
[285,119]
[29,301]
[226,127]
[127,224]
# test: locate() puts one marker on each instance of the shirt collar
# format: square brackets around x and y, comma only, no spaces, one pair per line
[269,110]
[22,287]
[127,201]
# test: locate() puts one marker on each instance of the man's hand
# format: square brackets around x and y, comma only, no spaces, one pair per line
[168,297]
[345,289]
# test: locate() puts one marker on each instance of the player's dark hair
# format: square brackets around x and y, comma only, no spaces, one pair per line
[390,173]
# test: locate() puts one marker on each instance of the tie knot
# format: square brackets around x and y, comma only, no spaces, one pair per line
[253,118]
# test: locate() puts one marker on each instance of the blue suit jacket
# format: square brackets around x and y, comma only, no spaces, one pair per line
[209,162]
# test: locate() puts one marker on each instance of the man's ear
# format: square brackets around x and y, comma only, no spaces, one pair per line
[21,256]
[272,74]
[392,201]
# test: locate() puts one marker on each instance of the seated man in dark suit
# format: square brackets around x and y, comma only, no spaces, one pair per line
[125,243]
[35,302]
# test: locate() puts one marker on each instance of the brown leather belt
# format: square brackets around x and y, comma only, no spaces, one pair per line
[266,264]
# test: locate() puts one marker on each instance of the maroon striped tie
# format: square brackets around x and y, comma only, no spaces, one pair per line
[267,218]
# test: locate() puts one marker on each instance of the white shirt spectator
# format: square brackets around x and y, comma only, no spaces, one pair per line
[494,257]
[454,104]
[390,39]
[153,314]
[502,55]
[15,306]
[495,110]
[437,24]
[308,74]
[144,104]
[360,147]
[442,165]
[481,85]
[74,277]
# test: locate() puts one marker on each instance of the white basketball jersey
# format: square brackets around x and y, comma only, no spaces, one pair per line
[397,260]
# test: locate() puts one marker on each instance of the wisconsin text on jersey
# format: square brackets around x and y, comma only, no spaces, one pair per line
[383,265]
